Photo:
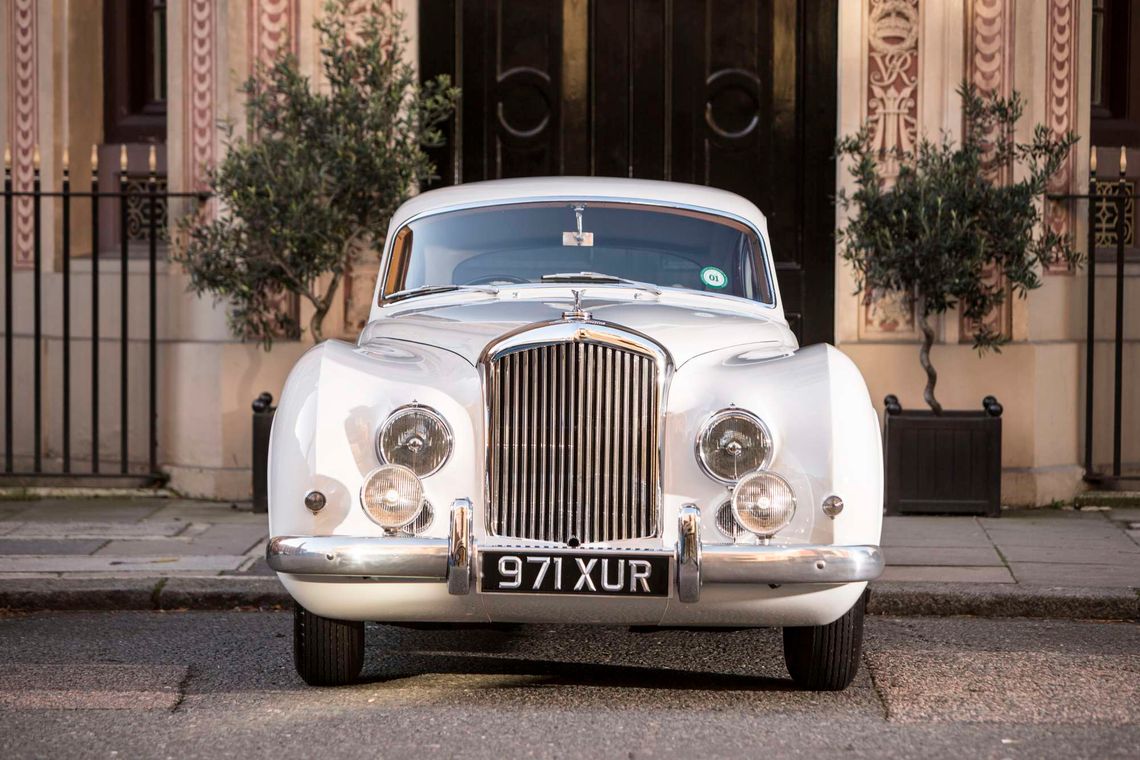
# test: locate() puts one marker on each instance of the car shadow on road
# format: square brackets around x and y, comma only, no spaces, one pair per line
[545,673]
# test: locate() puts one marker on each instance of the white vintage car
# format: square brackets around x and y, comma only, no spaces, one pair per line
[577,400]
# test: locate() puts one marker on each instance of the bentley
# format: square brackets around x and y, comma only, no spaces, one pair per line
[577,400]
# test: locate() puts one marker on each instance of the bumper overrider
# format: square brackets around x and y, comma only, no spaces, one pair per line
[452,560]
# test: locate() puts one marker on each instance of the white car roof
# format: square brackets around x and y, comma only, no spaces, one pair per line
[575,188]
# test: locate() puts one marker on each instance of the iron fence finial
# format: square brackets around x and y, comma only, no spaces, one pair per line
[123,159]
[152,162]
[36,158]
[94,159]
[1092,160]
[66,160]
[1123,160]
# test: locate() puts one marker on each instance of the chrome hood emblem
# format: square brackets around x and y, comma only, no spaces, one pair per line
[577,313]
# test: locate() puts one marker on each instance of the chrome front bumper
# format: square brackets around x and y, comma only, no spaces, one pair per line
[452,560]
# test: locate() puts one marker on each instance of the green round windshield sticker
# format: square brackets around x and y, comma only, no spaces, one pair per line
[713,277]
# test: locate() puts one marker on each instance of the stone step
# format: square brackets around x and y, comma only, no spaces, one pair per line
[1108,499]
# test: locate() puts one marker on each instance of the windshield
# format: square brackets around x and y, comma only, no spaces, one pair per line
[571,242]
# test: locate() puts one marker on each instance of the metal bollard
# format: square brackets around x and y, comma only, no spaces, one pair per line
[263,410]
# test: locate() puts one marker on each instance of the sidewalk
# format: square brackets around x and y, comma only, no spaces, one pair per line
[172,554]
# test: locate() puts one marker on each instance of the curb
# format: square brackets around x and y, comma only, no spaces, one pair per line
[1003,600]
[994,600]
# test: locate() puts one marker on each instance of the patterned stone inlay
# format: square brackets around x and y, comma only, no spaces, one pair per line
[23,120]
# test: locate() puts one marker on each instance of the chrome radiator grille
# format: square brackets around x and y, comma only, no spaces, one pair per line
[573,443]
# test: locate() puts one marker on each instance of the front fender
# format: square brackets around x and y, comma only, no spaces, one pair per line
[324,432]
[823,425]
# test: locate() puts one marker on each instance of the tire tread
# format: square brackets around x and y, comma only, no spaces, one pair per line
[327,652]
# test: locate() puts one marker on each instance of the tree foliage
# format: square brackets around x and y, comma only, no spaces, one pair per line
[318,174]
[955,213]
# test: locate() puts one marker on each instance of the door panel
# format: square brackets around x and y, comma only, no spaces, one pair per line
[738,94]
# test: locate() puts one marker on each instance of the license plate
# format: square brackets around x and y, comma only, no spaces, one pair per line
[596,573]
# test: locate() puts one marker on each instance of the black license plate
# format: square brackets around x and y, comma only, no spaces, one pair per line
[602,574]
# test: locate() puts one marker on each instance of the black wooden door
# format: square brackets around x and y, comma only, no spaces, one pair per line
[739,94]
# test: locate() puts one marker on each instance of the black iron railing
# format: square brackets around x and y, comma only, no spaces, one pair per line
[143,205]
[1111,208]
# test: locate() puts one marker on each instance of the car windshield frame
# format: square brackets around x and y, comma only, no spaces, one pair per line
[392,281]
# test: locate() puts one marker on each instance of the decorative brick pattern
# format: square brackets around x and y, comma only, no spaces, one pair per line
[200,90]
[893,114]
[272,30]
[989,59]
[23,119]
[1061,100]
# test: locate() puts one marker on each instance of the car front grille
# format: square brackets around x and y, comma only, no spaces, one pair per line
[573,453]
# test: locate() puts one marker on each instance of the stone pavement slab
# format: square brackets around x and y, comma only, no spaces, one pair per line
[1057,574]
[961,556]
[225,538]
[1082,555]
[940,574]
[148,564]
[101,529]
[9,547]
[932,531]
[54,510]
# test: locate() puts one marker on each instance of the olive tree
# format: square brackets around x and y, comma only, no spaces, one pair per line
[318,173]
[936,234]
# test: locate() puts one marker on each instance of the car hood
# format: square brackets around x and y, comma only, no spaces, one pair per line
[685,324]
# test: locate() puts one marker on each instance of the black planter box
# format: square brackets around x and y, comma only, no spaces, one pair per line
[948,463]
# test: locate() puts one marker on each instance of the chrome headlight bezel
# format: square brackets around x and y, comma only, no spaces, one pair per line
[712,420]
[403,411]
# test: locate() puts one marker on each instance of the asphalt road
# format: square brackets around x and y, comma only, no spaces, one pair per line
[186,684]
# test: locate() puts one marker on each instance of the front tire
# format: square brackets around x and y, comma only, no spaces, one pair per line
[326,652]
[826,657]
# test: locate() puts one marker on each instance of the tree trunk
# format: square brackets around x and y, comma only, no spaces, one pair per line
[321,309]
[924,358]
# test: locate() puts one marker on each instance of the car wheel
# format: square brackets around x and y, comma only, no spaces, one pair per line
[826,657]
[326,652]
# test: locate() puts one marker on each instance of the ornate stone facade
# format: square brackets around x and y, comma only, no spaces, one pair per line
[989,66]
[272,29]
[892,113]
[1061,101]
[200,73]
[23,118]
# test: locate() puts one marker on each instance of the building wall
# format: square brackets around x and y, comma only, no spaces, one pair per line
[899,61]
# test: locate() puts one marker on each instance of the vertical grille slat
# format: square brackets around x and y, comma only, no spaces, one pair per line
[573,437]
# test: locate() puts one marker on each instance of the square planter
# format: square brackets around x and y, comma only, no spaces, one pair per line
[947,463]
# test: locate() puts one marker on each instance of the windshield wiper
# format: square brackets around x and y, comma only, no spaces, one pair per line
[424,290]
[599,277]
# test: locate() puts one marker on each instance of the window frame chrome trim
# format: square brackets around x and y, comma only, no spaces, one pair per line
[769,262]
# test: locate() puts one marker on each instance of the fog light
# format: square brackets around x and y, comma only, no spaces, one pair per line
[763,503]
[392,496]
[832,506]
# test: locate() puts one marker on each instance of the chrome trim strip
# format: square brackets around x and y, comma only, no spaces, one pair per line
[689,554]
[430,559]
[459,548]
[389,558]
[726,563]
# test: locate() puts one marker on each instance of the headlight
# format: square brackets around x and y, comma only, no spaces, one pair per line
[763,503]
[732,443]
[392,496]
[415,437]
